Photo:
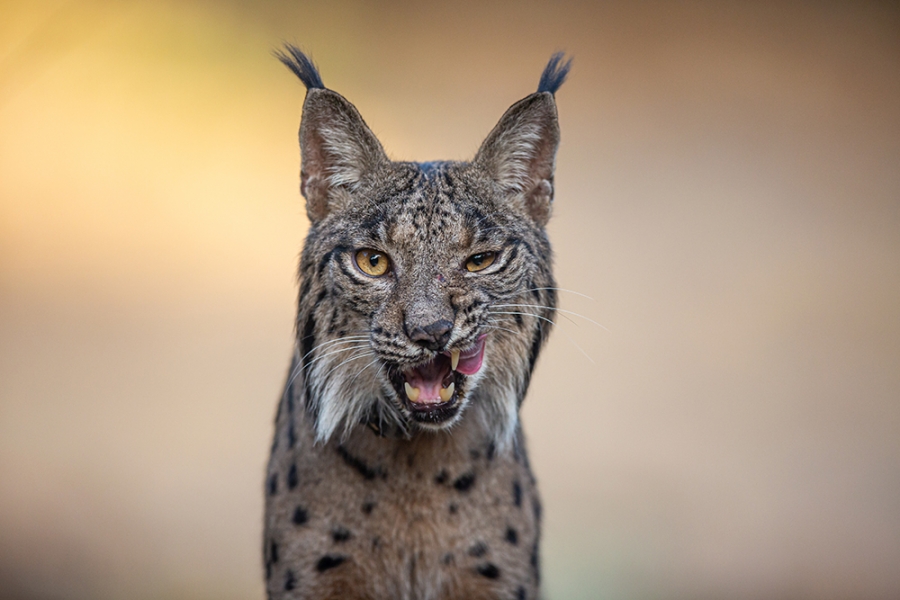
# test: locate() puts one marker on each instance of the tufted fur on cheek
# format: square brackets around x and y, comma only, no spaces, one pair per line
[338,151]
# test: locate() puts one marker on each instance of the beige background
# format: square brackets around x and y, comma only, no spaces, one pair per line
[728,194]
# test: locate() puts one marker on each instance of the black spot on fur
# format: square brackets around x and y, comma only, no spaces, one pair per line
[517,494]
[323,262]
[340,534]
[289,581]
[536,343]
[329,562]
[368,507]
[475,454]
[520,593]
[273,484]
[292,436]
[304,286]
[536,506]
[361,467]
[464,482]
[447,559]
[300,516]
[453,508]
[273,552]
[512,536]
[491,451]
[372,222]
[488,570]
[441,478]
[376,542]
[535,562]
[478,550]
[292,477]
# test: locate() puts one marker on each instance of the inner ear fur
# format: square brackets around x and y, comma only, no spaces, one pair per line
[337,151]
[519,154]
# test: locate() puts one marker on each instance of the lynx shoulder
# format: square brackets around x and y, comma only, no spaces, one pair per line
[398,467]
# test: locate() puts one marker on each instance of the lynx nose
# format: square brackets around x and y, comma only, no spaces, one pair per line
[432,336]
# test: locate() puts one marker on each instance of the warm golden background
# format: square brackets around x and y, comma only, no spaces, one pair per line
[728,194]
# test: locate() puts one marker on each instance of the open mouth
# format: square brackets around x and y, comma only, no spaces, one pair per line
[432,390]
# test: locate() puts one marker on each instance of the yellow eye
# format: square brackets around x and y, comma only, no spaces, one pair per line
[372,262]
[480,261]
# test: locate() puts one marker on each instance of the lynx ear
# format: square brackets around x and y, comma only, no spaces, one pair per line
[337,148]
[337,151]
[519,155]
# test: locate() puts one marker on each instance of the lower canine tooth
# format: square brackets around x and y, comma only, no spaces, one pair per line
[445,393]
[413,392]
[454,359]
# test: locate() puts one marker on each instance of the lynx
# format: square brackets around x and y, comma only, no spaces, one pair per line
[398,467]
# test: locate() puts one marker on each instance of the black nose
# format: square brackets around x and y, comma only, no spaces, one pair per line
[432,336]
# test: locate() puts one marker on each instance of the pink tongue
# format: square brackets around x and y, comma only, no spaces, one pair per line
[470,362]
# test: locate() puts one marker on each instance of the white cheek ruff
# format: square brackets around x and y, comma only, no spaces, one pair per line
[344,386]
[498,400]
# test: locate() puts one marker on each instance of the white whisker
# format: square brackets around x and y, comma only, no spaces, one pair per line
[351,359]
[561,330]
[559,289]
[524,314]
[298,368]
[335,341]
[374,360]
[560,310]
[534,306]
[338,351]
[492,326]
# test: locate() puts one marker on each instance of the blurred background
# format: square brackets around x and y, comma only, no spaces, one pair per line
[728,196]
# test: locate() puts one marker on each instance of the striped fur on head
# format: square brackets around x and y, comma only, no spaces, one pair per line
[357,340]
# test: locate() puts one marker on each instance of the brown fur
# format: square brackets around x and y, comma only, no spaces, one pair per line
[365,497]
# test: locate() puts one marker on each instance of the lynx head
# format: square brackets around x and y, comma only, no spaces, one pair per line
[426,289]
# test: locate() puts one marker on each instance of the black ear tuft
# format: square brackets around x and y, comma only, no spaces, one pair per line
[554,73]
[302,66]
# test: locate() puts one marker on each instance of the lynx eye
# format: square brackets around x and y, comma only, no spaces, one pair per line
[480,261]
[372,262]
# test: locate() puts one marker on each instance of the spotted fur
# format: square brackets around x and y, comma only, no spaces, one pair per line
[367,495]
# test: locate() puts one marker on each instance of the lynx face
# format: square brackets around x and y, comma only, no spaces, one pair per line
[425,288]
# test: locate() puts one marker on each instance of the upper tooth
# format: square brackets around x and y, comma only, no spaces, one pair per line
[412,392]
[447,392]
[454,359]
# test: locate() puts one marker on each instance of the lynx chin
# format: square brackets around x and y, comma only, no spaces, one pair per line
[398,468]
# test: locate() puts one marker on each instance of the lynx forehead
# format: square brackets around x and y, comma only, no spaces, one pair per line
[398,468]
